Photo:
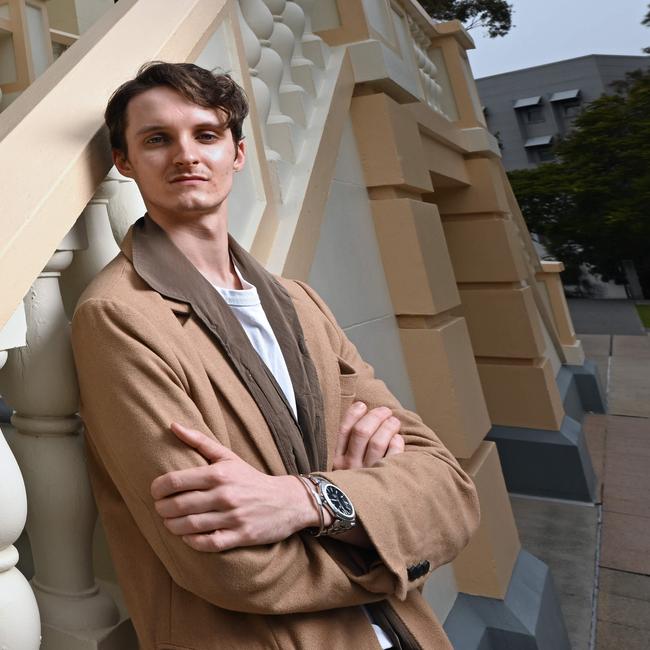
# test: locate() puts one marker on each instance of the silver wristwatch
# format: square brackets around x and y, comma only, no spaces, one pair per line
[336,502]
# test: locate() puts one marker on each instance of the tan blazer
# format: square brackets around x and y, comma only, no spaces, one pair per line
[143,361]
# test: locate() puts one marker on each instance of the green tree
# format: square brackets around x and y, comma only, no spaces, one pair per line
[592,206]
[494,15]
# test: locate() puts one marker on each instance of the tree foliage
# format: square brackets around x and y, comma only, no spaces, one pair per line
[494,15]
[593,205]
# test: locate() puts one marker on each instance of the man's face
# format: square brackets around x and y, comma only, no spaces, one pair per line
[179,153]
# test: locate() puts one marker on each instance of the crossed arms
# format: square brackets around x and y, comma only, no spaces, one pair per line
[228,503]
[413,505]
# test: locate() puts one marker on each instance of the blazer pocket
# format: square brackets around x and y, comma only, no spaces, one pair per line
[348,380]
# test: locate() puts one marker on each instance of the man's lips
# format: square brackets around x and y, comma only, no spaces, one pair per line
[183,179]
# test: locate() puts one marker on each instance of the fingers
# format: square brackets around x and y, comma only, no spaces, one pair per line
[216,541]
[188,503]
[361,434]
[193,478]
[396,445]
[209,448]
[202,522]
[350,418]
[379,444]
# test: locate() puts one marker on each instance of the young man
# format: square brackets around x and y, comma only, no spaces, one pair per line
[258,486]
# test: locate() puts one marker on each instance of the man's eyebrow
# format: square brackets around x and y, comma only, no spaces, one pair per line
[216,126]
[150,127]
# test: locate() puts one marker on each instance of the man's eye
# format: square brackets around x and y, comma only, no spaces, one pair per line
[208,136]
[154,139]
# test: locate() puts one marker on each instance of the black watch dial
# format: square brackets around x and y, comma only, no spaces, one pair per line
[339,501]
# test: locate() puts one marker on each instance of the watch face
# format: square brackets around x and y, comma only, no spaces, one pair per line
[339,501]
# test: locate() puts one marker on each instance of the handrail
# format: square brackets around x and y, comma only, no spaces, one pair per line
[54,154]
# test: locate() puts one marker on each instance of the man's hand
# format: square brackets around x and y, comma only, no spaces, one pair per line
[229,503]
[366,437]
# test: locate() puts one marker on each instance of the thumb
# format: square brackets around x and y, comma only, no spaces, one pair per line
[212,450]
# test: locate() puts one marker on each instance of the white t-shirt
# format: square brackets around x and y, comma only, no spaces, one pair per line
[246,306]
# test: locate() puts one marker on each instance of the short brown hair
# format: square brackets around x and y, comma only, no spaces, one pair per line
[196,84]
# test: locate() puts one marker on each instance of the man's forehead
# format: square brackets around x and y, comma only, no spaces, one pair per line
[164,106]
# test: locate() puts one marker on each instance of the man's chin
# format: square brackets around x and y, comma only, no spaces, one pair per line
[189,209]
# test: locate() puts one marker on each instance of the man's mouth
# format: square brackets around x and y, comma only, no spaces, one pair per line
[188,178]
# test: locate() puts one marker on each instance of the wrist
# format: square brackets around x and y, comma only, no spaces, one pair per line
[313,515]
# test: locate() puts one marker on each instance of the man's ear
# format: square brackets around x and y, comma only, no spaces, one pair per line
[240,156]
[122,163]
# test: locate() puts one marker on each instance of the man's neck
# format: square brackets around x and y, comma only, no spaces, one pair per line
[204,242]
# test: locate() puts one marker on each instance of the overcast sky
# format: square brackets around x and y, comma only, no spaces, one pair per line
[553,30]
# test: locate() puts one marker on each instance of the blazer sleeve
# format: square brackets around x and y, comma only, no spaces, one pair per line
[419,508]
[131,388]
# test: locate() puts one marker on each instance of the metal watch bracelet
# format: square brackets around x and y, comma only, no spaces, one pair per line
[339,524]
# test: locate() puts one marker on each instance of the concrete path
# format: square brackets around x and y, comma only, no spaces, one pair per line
[605,316]
[624,368]
[563,535]
[600,556]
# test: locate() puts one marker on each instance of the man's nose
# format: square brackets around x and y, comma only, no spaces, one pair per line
[186,152]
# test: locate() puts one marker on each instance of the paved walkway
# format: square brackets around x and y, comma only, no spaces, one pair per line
[600,556]
[605,316]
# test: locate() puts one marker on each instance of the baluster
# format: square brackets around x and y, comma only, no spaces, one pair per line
[125,203]
[280,127]
[40,384]
[261,91]
[313,46]
[96,246]
[427,68]
[20,626]
[304,70]
[294,99]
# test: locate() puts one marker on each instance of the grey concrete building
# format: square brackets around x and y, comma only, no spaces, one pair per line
[529,109]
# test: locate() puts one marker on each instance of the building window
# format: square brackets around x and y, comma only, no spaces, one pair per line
[534,114]
[545,154]
[571,110]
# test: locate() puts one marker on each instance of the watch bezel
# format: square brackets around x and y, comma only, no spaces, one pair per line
[340,514]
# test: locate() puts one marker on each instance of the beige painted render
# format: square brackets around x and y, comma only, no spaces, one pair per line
[353,25]
[521,394]
[484,248]
[502,321]
[445,382]
[396,156]
[485,566]
[415,257]
[549,278]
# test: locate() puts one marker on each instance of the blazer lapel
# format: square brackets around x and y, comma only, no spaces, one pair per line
[164,267]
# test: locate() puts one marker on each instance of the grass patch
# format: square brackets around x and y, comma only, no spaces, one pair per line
[644,313]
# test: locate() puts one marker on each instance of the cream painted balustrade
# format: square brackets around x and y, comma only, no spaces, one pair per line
[428,70]
[285,80]
[39,383]
[99,246]
[281,128]
[294,99]
[20,626]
